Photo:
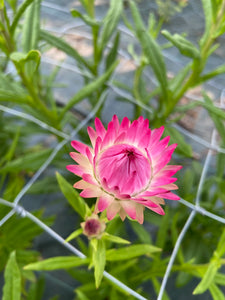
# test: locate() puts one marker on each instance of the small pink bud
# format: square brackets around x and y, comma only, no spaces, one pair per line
[93,227]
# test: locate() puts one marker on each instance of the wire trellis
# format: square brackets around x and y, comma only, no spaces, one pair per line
[195,208]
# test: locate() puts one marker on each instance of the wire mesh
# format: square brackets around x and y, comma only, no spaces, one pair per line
[195,208]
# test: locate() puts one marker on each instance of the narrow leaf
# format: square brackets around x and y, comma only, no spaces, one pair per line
[12,287]
[110,22]
[207,279]
[112,55]
[208,13]
[130,252]
[115,239]
[74,234]
[19,14]
[89,89]
[216,293]
[72,196]
[63,46]
[27,162]
[31,27]
[151,49]
[98,259]
[183,45]
[56,263]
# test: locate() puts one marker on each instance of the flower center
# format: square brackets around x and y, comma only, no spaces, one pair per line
[124,169]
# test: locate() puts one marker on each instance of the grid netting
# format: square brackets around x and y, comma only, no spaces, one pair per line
[195,208]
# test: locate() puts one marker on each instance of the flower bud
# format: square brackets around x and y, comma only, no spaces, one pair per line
[93,227]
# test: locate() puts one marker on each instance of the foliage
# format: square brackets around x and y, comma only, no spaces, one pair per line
[29,109]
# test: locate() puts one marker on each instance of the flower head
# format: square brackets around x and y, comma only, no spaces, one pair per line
[126,168]
[93,227]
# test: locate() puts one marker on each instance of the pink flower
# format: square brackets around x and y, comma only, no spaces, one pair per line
[126,168]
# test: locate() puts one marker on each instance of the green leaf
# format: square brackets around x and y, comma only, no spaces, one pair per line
[217,71]
[220,250]
[63,46]
[98,259]
[31,27]
[87,20]
[175,137]
[162,232]
[141,232]
[130,252]
[112,55]
[56,263]
[22,60]
[74,234]
[12,287]
[179,79]
[72,196]
[208,13]
[110,22]
[2,4]
[36,290]
[183,45]
[151,49]
[216,293]
[219,279]
[114,239]
[19,14]
[27,162]
[207,279]
[81,295]
[89,89]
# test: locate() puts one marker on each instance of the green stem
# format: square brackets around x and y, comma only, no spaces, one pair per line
[138,98]
[37,102]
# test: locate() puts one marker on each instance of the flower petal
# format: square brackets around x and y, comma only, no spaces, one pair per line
[104,201]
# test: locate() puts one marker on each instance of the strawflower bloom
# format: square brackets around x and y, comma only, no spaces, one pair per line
[126,168]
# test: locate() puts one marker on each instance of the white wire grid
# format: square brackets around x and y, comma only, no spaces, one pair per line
[195,208]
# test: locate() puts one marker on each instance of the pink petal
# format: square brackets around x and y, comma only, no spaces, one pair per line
[109,136]
[120,138]
[130,208]
[116,123]
[148,203]
[144,139]
[125,124]
[113,209]
[139,213]
[80,147]
[104,201]
[169,195]
[164,158]
[158,210]
[89,155]
[159,147]
[131,132]
[81,184]
[79,158]
[152,192]
[90,179]
[76,169]
[162,181]
[168,170]
[93,135]
[91,192]
[100,129]
[156,135]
